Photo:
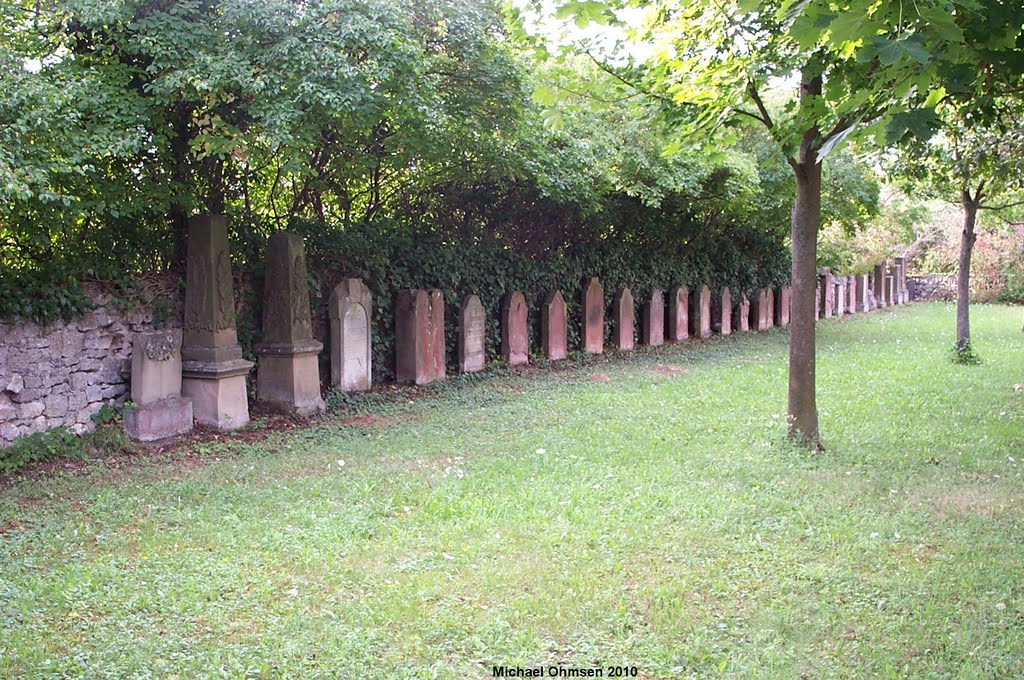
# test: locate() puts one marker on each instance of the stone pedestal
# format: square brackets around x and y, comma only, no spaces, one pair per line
[212,369]
[288,372]
[678,314]
[158,412]
[350,309]
[471,335]
[654,320]
[622,307]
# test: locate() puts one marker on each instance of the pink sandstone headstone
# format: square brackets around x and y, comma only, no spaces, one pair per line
[769,298]
[721,313]
[554,327]
[419,337]
[515,341]
[678,314]
[654,319]
[851,294]
[700,313]
[350,309]
[760,312]
[782,296]
[622,309]
[839,307]
[741,316]
[863,286]
[471,335]
[828,294]
[593,316]
[817,302]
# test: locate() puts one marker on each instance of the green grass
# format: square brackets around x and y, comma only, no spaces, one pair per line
[657,518]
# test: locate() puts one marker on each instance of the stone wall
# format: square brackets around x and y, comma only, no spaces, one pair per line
[932,286]
[63,373]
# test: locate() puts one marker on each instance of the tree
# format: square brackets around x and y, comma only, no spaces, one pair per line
[862,69]
[976,160]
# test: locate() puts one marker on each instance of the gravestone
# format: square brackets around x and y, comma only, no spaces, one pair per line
[817,302]
[515,340]
[419,337]
[554,327]
[828,295]
[622,310]
[769,320]
[760,310]
[901,280]
[678,314]
[471,335]
[212,368]
[350,309]
[593,316]
[654,319]
[288,367]
[782,298]
[890,290]
[879,284]
[700,313]
[741,315]
[863,285]
[851,294]
[840,296]
[721,313]
[158,412]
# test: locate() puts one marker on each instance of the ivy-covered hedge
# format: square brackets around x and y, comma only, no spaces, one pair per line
[389,262]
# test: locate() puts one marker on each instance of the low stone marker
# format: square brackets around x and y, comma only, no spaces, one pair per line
[827,293]
[851,294]
[700,313]
[471,335]
[515,340]
[782,297]
[678,314]
[158,412]
[288,368]
[419,337]
[741,315]
[721,313]
[212,368]
[593,316]
[622,310]
[350,309]
[554,329]
[840,296]
[654,320]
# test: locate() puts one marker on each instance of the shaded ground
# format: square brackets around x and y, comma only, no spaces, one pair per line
[646,512]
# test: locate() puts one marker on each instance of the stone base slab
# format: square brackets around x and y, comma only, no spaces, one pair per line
[159,421]
[290,382]
[219,401]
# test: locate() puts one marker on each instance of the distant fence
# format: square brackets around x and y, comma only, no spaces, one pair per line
[932,286]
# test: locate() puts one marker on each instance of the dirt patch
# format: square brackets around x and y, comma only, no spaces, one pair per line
[600,377]
[667,371]
[965,500]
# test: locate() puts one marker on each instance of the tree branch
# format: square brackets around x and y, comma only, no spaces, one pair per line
[756,96]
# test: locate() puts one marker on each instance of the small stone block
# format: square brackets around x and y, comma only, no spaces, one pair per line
[159,420]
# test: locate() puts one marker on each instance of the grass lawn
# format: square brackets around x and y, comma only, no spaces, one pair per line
[644,512]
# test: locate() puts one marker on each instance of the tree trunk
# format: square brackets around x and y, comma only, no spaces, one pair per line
[963,274]
[803,407]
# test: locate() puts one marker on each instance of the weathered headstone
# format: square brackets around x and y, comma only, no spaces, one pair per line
[782,298]
[212,368]
[760,309]
[863,289]
[678,314]
[622,310]
[839,307]
[419,337]
[851,294]
[827,293]
[721,313]
[817,302]
[158,412]
[288,368]
[741,315]
[879,284]
[890,290]
[554,327]
[350,309]
[515,340]
[901,281]
[769,319]
[593,316]
[471,335]
[700,313]
[654,319]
